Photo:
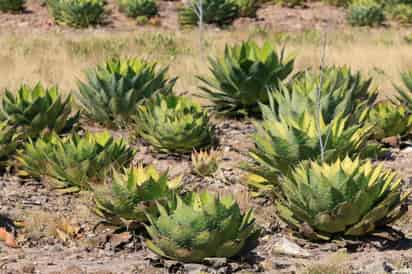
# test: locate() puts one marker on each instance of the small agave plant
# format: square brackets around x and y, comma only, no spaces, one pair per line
[242,77]
[389,120]
[132,194]
[205,163]
[200,226]
[37,111]
[113,90]
[344,198]
[174,124]
[72,163]
[77,13]
[12,6]
[217,12]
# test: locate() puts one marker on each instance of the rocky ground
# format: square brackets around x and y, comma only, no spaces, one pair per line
[60,234]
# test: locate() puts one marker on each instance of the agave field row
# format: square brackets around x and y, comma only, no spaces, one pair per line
[85,13]
[317,133]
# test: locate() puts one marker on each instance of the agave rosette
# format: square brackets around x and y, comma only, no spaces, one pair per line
[132,193]
[75,161]
[113,90]
[389,120]
[242,77]
[174,124]
[344,198]
[282,142]
[37,111]
[217,12]
[77,13]
[340,90]
[200,226]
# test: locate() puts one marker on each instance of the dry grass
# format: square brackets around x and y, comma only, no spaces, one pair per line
[60,58]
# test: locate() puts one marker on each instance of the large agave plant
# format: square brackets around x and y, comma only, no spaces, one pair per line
[389,120]
[174,124]
[218,12]
[243,76]
[133,193]
[404,96]
[281,143]
[344,198]
[113,90]
[37,111]
[77,13]
[73,162]
[201,226]
[12,5]
[341,92]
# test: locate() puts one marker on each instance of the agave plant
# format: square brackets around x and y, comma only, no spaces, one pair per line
[247,8]
[344,198]
[114,90]
[77,13]
[37,111]
[73,162]
[389,120]
[12,5]
[205,163]
[217,12]
[133,193]
[200,226]
[281,143]
[243,77]
[174,124]
[340,90]
[136,8]
[404,96]
[9,141]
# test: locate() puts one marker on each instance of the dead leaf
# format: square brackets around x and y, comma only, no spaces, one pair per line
[8,238]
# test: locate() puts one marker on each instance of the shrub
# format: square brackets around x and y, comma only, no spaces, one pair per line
[12,5]
[174,124]
[243,76]
[37,111]
[217,12]
[344,198]
[113,90]
[137,8]
[133,193]
[365,13]
[75,161]
[77,13]
[198,227]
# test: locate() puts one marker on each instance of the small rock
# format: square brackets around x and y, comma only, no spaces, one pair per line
[286,247]
[216,262]
[195,268]
[73,270]
[28,268]
[116,240]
